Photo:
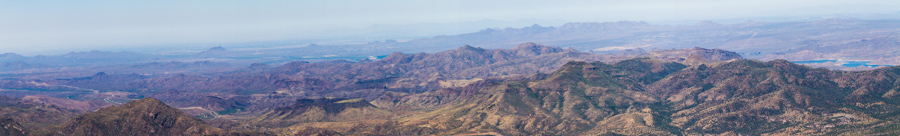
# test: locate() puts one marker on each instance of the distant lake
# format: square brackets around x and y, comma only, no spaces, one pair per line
[843,63]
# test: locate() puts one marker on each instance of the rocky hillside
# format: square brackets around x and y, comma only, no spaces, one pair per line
[666,92]
[658,97]
[9,127]
[580,98]
[321,110]
[25,116]
[146,116]
[737,97]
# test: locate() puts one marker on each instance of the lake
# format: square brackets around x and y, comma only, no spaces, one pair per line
[843,63]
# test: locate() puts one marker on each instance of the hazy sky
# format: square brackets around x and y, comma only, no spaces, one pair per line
[37,27]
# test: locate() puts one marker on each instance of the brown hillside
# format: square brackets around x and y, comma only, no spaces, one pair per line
[146,116]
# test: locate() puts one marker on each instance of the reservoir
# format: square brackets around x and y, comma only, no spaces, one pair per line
[843,63]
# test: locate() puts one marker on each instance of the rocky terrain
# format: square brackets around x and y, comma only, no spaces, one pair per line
[531,89]
[145,116]
[321,110]
[20,116]
[269,87]
[655,97]
[12,128]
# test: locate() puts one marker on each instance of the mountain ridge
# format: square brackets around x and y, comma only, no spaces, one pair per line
[473,90]
[146,116]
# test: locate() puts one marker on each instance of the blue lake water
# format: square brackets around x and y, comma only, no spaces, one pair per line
[844,63]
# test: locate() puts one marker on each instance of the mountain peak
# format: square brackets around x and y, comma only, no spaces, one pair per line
[470,48]
[100,74]
[149,101]
[533,49]
[528,45]
[217,48]
[215,51]
[707,23]
[696,55]
[10,55]
[396,57]
[147,116]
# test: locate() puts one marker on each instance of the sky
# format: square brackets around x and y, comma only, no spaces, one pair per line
[57,26]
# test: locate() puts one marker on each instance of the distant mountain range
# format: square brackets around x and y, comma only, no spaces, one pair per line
[794,41]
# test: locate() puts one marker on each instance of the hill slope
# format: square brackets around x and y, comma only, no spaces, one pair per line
[322,110]
[146,116]
[580,98]
[654,97]
[31,117]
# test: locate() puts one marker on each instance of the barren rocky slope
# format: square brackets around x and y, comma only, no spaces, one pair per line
[146,116]
[656,97]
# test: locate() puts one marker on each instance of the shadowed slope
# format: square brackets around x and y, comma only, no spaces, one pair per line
[9,127]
